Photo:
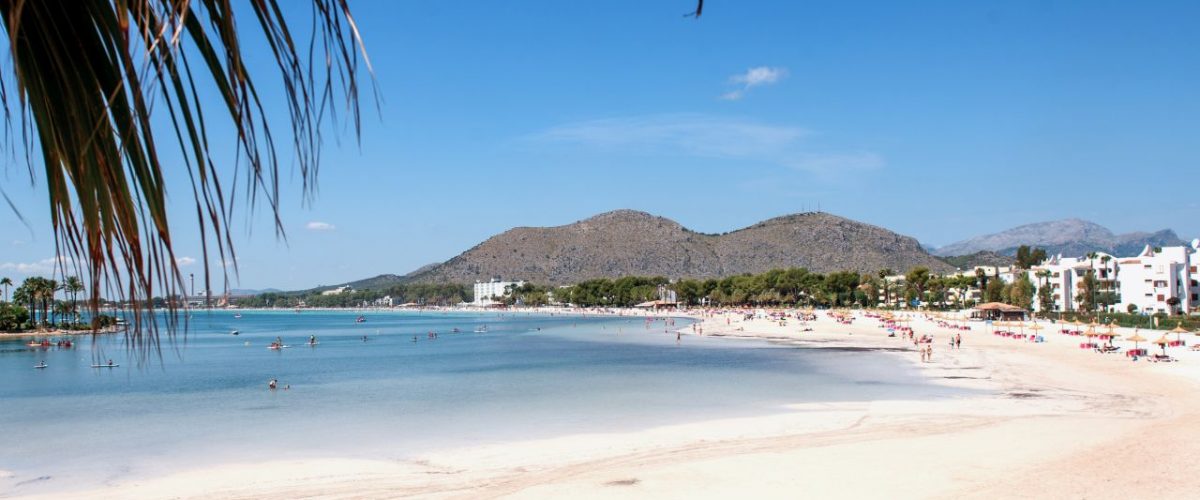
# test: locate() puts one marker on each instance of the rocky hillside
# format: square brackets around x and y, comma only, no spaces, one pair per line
[979,259]
[626,242]
[1071,237]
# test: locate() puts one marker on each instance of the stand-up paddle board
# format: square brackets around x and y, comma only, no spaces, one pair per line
[105,366]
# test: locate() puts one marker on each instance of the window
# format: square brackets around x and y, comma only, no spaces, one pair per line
[1160,297]
[1195,297]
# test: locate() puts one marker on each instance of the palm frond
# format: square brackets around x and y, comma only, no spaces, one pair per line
[88,75]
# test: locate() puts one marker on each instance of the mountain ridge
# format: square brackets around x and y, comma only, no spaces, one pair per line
[629,242]
[1070,237]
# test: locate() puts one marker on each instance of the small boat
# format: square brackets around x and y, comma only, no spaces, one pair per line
[235,332]
[40,365]
[360,319]
[278,346]
[482,329]
[237,316]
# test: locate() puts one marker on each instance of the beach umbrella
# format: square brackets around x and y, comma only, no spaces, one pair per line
[1110,334]
[1135,338]
[1178,330]
[1162,342]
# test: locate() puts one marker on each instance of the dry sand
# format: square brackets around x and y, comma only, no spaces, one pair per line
[1055,422]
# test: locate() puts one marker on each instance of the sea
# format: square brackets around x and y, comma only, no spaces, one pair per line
[384,388]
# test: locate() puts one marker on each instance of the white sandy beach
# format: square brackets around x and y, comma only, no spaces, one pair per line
[1056,422]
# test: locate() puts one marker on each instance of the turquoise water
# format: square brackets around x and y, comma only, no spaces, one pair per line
[390,397]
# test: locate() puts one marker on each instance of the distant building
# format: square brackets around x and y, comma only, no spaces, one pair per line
[339,290]
[487,291]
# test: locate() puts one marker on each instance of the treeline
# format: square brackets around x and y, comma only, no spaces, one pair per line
[779,287]
[35,304]
[425,294]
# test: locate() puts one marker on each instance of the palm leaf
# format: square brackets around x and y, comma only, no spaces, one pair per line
[87,76]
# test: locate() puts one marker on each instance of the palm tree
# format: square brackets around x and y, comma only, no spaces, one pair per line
[883,274]
[73,286]
[87,76]
[6,282]
[49,289]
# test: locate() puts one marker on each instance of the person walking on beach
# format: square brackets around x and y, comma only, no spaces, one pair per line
[958,341]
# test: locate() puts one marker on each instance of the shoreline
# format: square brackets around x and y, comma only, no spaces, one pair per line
[1054,420]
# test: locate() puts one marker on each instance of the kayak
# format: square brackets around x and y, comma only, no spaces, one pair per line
[40,366]
[105,366]
[278,346]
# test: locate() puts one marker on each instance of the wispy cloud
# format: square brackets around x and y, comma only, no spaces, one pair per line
[184,261]
[753,77]
[710,137]
[692,134]
[319,226]
[44,266]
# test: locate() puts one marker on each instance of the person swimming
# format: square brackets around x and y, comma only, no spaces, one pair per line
[272,384]
[312,339]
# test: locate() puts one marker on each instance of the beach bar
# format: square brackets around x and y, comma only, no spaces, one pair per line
[998,311]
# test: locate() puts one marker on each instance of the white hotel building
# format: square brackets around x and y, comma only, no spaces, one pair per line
[1147,281]
[485,290]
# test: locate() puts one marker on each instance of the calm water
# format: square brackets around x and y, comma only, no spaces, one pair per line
[389,397]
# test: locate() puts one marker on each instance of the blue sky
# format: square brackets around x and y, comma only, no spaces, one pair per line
[939,120]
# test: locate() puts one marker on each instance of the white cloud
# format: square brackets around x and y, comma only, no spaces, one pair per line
[44,266]
[185,261]
[319,226]
[753,77]
[709,137]
[761,75]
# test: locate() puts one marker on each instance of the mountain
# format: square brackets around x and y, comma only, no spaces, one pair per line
[376,282]
[627,242]
[983,258]
[1071,237]
[241,292]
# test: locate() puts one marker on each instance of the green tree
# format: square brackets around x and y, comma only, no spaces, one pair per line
[981,280]
[883,274]
[918,278]
[994,291]
[1045,293]
[73,285]
[1022,291]
[6,282]
[1086,295]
